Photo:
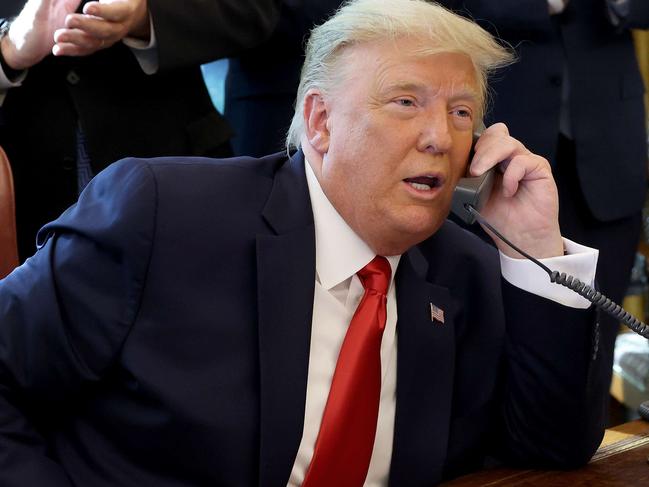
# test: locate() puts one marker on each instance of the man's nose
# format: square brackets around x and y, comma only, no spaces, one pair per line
[435,136]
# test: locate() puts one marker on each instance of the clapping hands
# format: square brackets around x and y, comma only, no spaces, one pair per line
[52,26]
[102,24]
[31,36]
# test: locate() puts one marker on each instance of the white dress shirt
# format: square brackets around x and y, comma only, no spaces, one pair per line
[340,253]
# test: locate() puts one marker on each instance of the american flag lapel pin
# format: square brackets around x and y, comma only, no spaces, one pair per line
[436,314]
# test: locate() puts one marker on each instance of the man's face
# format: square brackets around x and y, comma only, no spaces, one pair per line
[395,138]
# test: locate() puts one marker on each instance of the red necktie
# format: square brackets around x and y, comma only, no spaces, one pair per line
[344,446]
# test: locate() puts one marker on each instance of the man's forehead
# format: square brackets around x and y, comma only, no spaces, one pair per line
[390,63]
[402,50]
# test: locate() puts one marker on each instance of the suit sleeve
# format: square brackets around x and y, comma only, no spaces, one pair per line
[556,383]
[65,313]
[195,31]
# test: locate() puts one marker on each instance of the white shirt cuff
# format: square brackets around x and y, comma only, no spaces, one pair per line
[146,53]
[580,262]
[556,6]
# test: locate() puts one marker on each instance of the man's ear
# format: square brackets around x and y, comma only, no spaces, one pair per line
[316,118]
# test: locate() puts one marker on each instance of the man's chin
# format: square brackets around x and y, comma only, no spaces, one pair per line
[422,224]
[403,237]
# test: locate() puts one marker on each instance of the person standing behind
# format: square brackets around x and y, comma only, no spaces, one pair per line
[124,80]
[576,98]
[261,82]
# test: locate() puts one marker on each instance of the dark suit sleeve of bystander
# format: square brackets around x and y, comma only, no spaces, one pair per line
[195,32]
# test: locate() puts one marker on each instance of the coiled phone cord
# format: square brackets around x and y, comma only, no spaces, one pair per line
[584,290]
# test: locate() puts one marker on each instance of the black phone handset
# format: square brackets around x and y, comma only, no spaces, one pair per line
[469,197]
[472,191]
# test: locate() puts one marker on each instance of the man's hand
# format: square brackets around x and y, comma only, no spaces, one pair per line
[31,36]
[524,204]
[101,25]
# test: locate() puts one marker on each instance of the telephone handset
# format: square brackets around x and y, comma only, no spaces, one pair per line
[473,191]
[470,195]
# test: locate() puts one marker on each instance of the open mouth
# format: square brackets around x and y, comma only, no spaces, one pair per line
[424,183]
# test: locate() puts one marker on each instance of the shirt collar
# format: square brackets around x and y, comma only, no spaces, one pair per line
[340,252]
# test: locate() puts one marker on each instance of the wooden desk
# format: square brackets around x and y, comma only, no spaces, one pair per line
[621,461]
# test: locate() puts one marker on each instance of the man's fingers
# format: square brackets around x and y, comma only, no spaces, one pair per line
[113,19]
[79,38]
[69,49]
[497,128]
[494,151]
[495,145]
[526,167]
[94,26]
[118,11]
[511,177]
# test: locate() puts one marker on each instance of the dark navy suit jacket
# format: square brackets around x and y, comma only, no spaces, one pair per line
[160,336]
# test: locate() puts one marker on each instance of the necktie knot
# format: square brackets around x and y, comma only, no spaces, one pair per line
[376,275]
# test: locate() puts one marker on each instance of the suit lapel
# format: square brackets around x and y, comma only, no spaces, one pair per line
[425,368]
[286,276]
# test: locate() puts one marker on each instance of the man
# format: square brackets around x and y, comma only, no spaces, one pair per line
[123,80]
[197,322]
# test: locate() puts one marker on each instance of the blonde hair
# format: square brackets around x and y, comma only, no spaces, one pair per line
[360,21]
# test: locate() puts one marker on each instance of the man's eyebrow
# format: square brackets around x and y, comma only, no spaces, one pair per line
[404,86]
[461,94]
[465,94]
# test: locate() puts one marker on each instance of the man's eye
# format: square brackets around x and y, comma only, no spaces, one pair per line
[405,102]
[463,113]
